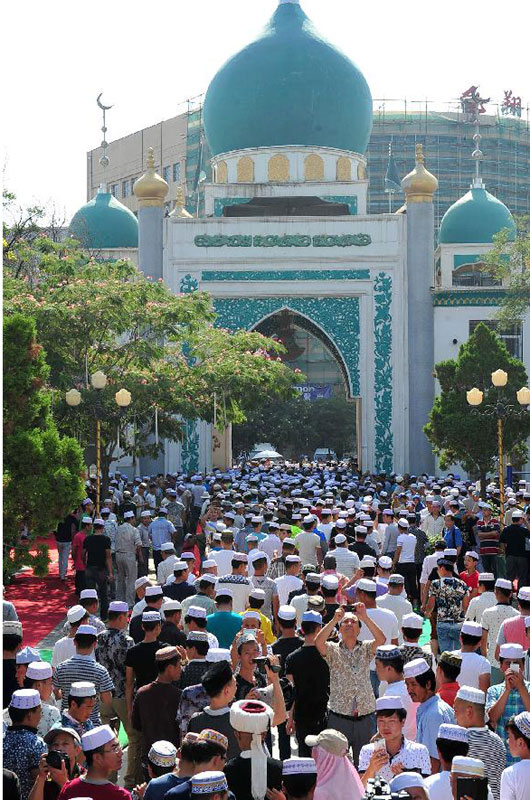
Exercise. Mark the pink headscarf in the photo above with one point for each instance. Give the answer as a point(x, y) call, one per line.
point(337, 778)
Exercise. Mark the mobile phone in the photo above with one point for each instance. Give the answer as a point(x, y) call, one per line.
point(379, 744)
point(476, 788)
point(515, 667)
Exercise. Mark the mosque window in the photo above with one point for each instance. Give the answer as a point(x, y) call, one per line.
point(473, 274)
point(245, 170)
point(166, 174)
point(278, 168)
point(343, 169)
point(114, 189)
point(511, 335)
point(176, 172)
point(221, 172)
point(314, 168)
point(125, 188)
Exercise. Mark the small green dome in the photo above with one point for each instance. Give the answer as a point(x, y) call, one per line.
point(104, 223)
point(289, 87)
point(475, 218)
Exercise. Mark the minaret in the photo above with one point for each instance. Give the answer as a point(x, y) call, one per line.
point(104, 159)
point(419, 187)
point(151, 191)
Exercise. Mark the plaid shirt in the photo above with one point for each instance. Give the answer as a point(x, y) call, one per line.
point(277, 568)
point(514, 705)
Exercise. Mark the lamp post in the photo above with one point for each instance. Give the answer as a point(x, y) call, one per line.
point(500, 410)
point(73, 399)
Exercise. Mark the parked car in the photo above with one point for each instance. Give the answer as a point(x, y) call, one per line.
point(324, 454)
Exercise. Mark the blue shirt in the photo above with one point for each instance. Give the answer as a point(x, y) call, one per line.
point(429, 716)
point(157, 788)
point(160, 531)
point(224, 625)
point(452, 537)
point(22, 749)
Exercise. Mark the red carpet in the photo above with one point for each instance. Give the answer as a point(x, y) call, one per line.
point(41, 603)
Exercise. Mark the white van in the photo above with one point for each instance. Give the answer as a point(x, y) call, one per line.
point(324, 454)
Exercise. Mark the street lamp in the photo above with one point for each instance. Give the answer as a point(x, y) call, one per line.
point(474, 397)
point(123, 399)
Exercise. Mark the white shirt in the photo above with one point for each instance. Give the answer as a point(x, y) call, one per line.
point(400, 606)
point(138, 608)
point(479, 604)
point(492, 620)
point(515, 781)
point(347, 561)
point(223, 558)
point(384, 619)
point(407, 542)
point(473, 666)
point(250, 567)
point(429, 564)
point(65, 648)
point(326, 528)
point(399, 689)
point(307, 543)
point(287, 584)
point(269, 544)
point(165, 569)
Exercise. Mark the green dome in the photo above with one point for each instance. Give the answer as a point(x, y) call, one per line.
point(289, 87)
point(103, 223)
point(475, 218)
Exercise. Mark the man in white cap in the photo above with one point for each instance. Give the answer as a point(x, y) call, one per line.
point(432, 710)
point(299, 778)
point(140, 585)
point(377, 759)
point(470, 713)
point(452, 741)
point(515, 629)
point(252, 772)
point(389, 665)
point(411, 630)
point(504, 700)
point(492, 619)
point(39, 677)
point(78, 552)
point(290, 581)
point(394, 599)
point(81, 701)
point(22, 747)
point(64, 647)
point(384, 619)
point(347, 561)
point(205, 597)
point(515, 780)
point(11, 642)
point(475, 669)
point(308, 542)
point(128, 549)
point(404, 561)
point(210, 785)
point(513, 544)
point(160, 530)
point(98, 560)
point(411, 783)
point(287, 643)
point(261, 581)
point(484, 599)
point(104, 757)
point(467, 767)
point(169, 559)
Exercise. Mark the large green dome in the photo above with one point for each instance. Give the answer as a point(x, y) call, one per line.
point(289, 87)
point(104, 223)
point(475, 218)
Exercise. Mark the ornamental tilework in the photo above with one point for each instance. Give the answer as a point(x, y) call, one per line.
point(189, 450)
point(287, 275)
point(338, 317)
point(188, 284)
point(470, 297)
point(384, 439)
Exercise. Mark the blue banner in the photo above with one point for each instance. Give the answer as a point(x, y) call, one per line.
point(315, 391)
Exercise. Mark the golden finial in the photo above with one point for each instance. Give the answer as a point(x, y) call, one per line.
point(420, 184)
point(150, 189)
point(180, 201)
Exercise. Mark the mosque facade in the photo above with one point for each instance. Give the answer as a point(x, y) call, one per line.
point(286, 246)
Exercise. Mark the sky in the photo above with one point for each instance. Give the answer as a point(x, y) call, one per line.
point(148, 58)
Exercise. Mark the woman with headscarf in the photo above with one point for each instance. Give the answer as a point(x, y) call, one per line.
point(337, 778)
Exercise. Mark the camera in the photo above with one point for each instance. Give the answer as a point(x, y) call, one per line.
point(261, 661)
point(55, 758)
point(379, 789)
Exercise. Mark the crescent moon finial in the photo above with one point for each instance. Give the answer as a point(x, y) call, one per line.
point(100, 104)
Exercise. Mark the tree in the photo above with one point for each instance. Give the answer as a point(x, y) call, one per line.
point(456, 431)
point(42, 470)
point(509, 263)
point(93, 315)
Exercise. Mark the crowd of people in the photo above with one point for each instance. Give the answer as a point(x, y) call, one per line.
point(281, 631)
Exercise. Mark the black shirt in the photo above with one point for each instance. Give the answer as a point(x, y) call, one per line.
point(141, 657)
point(514, 537)
point(136, 631)
point(284, 647)
point(362, 549)
point(172, 635)
point(11, 785)
point(96, 546)
point(238, 776)
point(244, 686)
point(329, 612)
point(9, 681)
point(193, 672)
point(311, 683)
point(179, 591)
point(64, 529)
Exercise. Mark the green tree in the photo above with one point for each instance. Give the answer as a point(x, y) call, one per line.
point(456, 431)
point(42, 470)
point(164, 348)
point(509, 263)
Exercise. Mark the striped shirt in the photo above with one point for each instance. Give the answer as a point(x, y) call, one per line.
point(490, 748)
point(82, 668)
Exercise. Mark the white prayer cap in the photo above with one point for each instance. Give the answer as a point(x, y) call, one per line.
point(396, 578)
point(503, 583)
point(223, 591)
point(330, 582)
point(86, 520)
point(465, 765)
point(250, 716)
point(257, 594)
point(366, 585)
point(418, 666)
point(128, 514)
point(403, 523)
point(407, 780)
point(340, 523)
point(524, 593)
point(389, 703)
point(208, 577)
point(151, 616)
point(471, 695)
point(385, 562)
point(367, 561)
point(299, 766)
point(118, 606)
point(361, 529)
point(386, 652)
point(97, 737)
point(251, 615)
point(12, 627)
point(312, 616)
point(486, 576)
point(450, 551)
point(256, 520)
point(197, 636)
point(171, 605)
point(154, 591)
point(27, 655)
point(196, 612)
point(340, 538)
point(412, 621)
point(454, 733)
point(209, 782)
point(292, 559)
point(39, 671)
point(257, 555)
point(472, 554)
point(99, 521)
point(241, 557)
point(166, 546)
point(287, 612)
point(88, 594)
point(179, 566)
point(139, 582)
point(216, 654)
point(522, 721)
point(471, 628)
point(511, 650)
point(25, 699)
point(187, 555)
point(86, 630)
point(83, 689)
point(209, 564)
point(146, 513)
point(75, 613)
point(216, 536)
point(163, 754)
point(308, 518)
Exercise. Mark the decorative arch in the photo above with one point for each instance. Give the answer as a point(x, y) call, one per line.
point(361, 172)
point(278, 168)
point(245, 170)
point(343, 169)
point(314, 168)
point(221, 172)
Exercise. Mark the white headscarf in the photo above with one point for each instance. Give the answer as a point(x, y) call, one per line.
point(253, 716)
